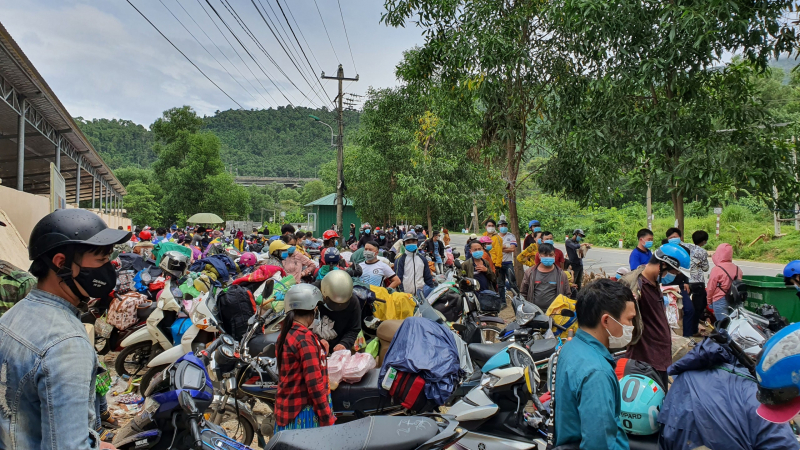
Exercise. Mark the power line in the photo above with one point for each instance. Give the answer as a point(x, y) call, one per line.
point(199, 2)
point(346, 36)
point(209, 53)
point(285, 35)
point(326, 30)
point(184, 55)
point(223, 53)
point(310, 49)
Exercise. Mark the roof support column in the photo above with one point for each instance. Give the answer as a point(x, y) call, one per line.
point(58, 156)
point(101, 195)
point(78, 185)
point(21, 146)
point(94, 183)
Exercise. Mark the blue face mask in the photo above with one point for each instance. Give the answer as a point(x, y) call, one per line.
point(667, 278)
point(648, 244)
point(411, 248)
point(477, 255)
point(618, 276)
point(284, 255)
point(676, 240)
point(366, 231)
point(538, 241)
point(489, 247)
point(504, 229)
point(292, 249)
point(535, 229)
point(578, 238)
point(548, 261)
point(549, 241)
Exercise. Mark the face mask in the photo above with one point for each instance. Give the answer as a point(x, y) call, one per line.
point(618, 276)
point(648, 244)
point(538, 241)
point(490, 229)
point(292, 249)
point(284, 255)
point(548, 261)
point(504, 230)
point(315, 323)
point(676, 240)
point(548, 241)
point(366, 231)
point(621, 341)
point(578, 238)
point(489, 247)
point(535, 229)
point(411, 248)
point(477, 255)
point(98, 282)
point(369, 255)
point(667, 278)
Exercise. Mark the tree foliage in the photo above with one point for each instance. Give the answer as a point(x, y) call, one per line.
point(121, 143)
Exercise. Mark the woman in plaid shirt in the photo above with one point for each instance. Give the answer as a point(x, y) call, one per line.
point(303, 398)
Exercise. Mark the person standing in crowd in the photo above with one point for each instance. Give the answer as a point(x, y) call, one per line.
point(674, 236)
point(720, 280)
point(697, 281)
point(303, 398)
point(435, 248)
point(412, 268)
point(534, 227)
point(655, 344)
point(547, 238)
point(642, 254)
point(545, 281)
point(472, 237)
point(445, 237)
point(366, 234)
point(144, 247)
point(49, 371)
point(296, 263)
point(575, 253)
point(506, 272)
point(287, 229)
point(376, 272)
point(479, 268)
point(587, 393)
point(495, 252)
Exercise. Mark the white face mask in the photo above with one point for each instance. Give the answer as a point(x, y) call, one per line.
point(490, 229)
point(621, 341)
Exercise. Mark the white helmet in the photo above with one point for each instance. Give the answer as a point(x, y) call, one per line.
point(304, 297)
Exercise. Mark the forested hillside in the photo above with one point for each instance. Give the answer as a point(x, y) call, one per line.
point(273, 142)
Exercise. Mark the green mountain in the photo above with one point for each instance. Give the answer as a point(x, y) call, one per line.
point(272, 142)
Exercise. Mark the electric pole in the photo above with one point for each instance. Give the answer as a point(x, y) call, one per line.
point(340, 153)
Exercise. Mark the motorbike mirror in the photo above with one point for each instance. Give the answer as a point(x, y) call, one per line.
point(723, 324)
point(456, 254)
point(187, 403)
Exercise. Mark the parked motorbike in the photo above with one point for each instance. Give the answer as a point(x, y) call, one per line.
point(747, 329)
point(111, 341)
point(473, 324)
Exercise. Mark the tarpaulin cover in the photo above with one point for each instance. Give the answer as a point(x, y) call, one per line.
point(262, 273)
point(708, 405)
point(426, 348)
point(164, 247)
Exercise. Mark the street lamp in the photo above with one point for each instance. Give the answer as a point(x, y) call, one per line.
point(333, 142)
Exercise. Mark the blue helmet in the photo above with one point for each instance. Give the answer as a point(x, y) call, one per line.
point(778, 383)
point(792, 269)
point(642, 398)
point(332, 256)
point(674, 255)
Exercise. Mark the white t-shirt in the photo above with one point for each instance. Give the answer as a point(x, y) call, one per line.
point(509, 241)
point(375, 273)
point(412, 273)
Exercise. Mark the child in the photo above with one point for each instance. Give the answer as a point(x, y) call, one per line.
point(303, 399)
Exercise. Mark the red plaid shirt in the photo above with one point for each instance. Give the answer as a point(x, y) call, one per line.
point(303, 378)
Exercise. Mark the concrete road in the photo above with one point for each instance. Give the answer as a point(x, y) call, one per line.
point(610, 259)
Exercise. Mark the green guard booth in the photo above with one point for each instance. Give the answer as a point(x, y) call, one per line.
point(325, 209)
point(773, 291)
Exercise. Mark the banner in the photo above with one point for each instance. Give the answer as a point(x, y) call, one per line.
point(58, 189)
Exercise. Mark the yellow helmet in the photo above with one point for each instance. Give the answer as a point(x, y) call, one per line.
point(278, 245)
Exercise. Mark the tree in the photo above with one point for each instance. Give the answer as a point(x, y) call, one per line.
point(142, 205)
point(289, 194)
point(314, 190)
point(659, 99)
point(126, 175)
point(260, 202)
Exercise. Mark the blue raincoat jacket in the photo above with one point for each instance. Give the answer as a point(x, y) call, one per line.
point(712, 402)
point(429, 349)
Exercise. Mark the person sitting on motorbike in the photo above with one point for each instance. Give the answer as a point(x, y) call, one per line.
point(247, 262)
point(714, 399)
point(543, 283)
point(297, 263)
point(278, 251)
point(144, 247)
point(49, 371)
point(331, 261)
point(300, 242)
point(587, 393)
point(488, 246)
point(329, 239)
point(310, 242)
point(376, 272)
point(303, 397)
point(478, 268)
point(340, 315)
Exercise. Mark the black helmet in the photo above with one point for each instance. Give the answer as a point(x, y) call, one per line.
point(418, 228)
point(72, 226)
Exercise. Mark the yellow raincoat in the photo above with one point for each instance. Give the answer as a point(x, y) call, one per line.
point(560, 303)
point(394, 306)
point(528, 256)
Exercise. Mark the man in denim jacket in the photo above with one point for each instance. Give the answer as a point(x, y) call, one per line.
point(47, 364)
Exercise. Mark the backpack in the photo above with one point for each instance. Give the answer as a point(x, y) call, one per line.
point(737, 293)
point(450, 304)
point(15, 284)
point(236, 305)
point(408, 389)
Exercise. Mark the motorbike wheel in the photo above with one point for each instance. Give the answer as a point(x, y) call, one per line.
point(489, 334)
point(148, 377)
point(237, 427)
point(132, 360)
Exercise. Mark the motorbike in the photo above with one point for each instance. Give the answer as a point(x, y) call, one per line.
point(473, 324)
point(112, 340)
point(748, 329)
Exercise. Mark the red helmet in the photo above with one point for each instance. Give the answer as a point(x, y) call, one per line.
point(145, 235)
point(330, 234)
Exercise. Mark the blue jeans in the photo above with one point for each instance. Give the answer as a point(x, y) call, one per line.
point(100, 406)
point(720, 308)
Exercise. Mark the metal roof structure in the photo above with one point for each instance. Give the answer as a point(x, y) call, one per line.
point(329, 200)
point(48, 135)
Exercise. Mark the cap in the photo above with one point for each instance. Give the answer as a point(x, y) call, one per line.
point(473, 236)
point(623, 271)
point(410, 237)
point(502, 222)
point(579, 231)
point(780, 413)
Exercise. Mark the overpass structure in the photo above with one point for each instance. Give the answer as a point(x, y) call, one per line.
point(36, 130)
point(290, 182)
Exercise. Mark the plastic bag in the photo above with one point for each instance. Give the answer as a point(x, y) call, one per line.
point(360, 343)
point(102, 328)
point(336, 365)
point(357, 366)
point(373, 347)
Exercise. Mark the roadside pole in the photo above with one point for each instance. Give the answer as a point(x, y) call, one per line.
point(718, 212)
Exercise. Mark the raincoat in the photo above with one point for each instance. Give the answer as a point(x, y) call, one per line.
point(712, 402)
point(723, 259)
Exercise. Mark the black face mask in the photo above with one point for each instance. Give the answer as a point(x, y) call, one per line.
point(98, 282)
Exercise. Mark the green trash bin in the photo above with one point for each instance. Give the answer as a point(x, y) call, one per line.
point(772, 291)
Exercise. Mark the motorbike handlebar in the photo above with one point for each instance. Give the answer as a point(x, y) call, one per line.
point(205, 354)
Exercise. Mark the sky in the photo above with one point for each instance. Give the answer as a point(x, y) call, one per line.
point(103, 60)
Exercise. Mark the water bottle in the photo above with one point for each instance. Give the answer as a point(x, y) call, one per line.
point(388, 379)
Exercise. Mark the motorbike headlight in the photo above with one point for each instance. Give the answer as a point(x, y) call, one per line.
point(200, 320)
point(488, 380)
point(524, 314)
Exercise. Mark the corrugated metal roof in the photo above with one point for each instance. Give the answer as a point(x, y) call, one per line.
point(329, 200)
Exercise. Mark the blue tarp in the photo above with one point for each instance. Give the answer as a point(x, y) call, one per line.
point(708, 405)
point(429, 349)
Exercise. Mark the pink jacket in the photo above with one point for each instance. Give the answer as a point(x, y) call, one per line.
point(298, 265)
point(722, 260)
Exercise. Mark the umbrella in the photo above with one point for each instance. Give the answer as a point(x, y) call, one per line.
point(205, 218)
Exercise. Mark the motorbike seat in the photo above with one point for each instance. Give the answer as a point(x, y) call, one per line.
point(542, 348)
point(376, 432)
point(263, 343)
point(480, 353)
point(364, 396)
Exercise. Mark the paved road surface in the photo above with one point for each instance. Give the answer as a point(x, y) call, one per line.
point(610, 260)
